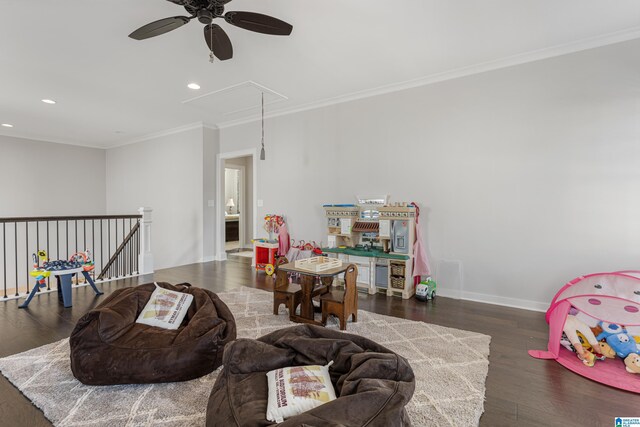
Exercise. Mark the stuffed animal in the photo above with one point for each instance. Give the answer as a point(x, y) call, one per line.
point(609, 329)
point(574, 326)
point(632, 363)
point(606, 351)
point(623, 344)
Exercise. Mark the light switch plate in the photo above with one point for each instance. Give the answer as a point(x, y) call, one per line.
point(260, 203)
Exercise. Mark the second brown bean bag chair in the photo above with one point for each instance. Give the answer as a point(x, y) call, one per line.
point(109, 347)
point(372, 383)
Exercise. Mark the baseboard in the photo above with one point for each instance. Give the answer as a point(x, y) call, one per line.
point(208, 258)
point(220, 257)
point(494, 299)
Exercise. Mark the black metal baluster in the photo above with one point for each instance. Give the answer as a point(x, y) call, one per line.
point(76, 235)
point(15, 250)
point(101, 247)
point(117, 272)
point(57, 240)
point(4, 255)
point(37, 236)
point(66, 230)
point(26, 249)
point(130, 250)
point(109, 247)
point(123, 267)
point(93, 246)
point(138, 234)
point(48, 278)
point(84, 234)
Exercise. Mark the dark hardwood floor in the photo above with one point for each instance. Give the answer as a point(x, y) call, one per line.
point(521, 391)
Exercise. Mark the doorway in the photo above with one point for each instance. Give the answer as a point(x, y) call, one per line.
point(234, 209)
point(236, 205)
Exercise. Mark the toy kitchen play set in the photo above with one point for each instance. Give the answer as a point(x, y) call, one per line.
point(379, 238)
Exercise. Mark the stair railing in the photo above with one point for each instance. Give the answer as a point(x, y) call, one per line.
point(120, 246)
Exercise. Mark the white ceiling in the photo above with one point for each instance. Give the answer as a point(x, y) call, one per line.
point(111, 89)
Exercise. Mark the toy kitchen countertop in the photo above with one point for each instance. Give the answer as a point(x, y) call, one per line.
point(365, 253)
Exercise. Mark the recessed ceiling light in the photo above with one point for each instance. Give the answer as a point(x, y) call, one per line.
point(7, 125)
point(48, 101)
point(194, 86)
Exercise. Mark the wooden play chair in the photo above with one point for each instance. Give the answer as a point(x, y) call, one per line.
point(342, 304)
point(289, 294)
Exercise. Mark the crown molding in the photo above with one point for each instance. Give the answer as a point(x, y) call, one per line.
point(19, 135)
point(172, 131)
point(522, 58)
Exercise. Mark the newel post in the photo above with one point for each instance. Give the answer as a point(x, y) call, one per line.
point(145, 257)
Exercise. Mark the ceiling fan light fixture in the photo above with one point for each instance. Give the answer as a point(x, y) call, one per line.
point(205, 11)
point(205, 16)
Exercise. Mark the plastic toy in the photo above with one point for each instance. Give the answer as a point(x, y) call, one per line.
point(269, 269)
point(426, 290)
point(83, 258)
point(572, 327)
point(272, 224)
point(40, 273)
point(63, 270)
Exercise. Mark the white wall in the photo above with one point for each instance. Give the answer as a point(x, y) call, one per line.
point(211, 147)
point(40, 179)
point(526, 175)
point(166, 174)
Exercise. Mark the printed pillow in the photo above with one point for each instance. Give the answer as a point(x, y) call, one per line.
point(166, 309)
point(298, 389)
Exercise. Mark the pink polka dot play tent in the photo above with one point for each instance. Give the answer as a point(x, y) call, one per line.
point(613, 298)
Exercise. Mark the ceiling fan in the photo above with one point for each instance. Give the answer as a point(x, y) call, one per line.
point(217, 40)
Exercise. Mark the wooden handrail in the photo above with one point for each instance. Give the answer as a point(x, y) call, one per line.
point(116, 254)
point(66, 218)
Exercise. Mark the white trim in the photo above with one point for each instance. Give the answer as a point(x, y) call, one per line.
point(166, 132)
point(242, 223)
point(258, 86)
point(52, 141)
point(494, 299)
point(208, 259)
point(220, 253)
point(518, 59)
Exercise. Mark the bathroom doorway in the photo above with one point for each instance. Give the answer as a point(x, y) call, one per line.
point(238, 209)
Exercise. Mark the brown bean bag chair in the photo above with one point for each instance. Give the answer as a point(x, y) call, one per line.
point(108, 347)
point(372, 383)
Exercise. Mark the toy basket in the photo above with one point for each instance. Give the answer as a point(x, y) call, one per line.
point(397, 269)
point(318, 264)
point(397, 282)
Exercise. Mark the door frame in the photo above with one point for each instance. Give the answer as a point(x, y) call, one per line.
point(241, 201)
point(220, 253)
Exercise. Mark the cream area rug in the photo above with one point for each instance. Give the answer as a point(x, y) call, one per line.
point(450, 366)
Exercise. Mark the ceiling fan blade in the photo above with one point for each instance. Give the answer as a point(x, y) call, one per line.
point(218, 42)
point(159, 27)
point(259, 23)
